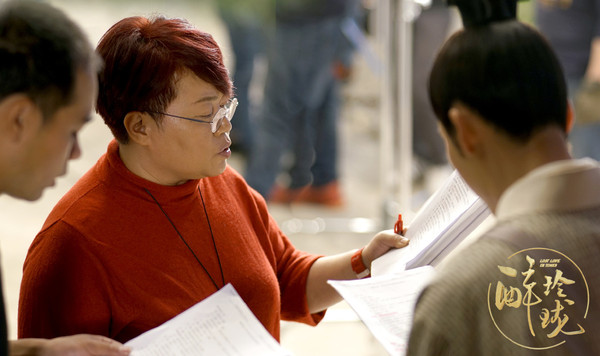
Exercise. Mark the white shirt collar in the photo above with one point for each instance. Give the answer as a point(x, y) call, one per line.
point(561, 185)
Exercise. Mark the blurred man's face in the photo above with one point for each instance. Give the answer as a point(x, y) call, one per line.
point(54, 143)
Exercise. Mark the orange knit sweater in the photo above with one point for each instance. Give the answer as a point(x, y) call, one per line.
point(108, 261)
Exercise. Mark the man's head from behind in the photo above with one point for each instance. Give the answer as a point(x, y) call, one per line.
point(507, 73)
point(47, 87)
point(499, 93)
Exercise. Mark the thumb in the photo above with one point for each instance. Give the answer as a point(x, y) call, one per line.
point(382, 243)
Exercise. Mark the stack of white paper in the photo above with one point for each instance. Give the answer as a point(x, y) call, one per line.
point(221, 324)
point(445, 220)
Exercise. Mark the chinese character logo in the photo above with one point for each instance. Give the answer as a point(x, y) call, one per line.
point(543, 292)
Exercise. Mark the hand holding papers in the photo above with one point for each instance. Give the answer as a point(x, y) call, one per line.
point(385, 302)
point(446, 219)
point(221, 324)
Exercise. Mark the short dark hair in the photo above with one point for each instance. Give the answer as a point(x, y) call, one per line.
point(507, 72)
point(41, 50)
point(142, 58)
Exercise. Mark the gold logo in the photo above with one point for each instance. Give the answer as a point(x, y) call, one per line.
point(544, 291)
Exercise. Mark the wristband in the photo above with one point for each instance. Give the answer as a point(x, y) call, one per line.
point(358, 266)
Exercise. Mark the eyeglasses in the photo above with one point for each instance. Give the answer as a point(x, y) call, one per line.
point(226, 111)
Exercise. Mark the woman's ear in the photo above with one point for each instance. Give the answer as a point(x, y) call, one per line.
point(465, 128)
point(138, 125)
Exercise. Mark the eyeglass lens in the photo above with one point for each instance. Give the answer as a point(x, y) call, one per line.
point(225, 112)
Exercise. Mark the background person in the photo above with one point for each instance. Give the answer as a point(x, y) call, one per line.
point(573, 29)
point(249, 24)
point(161, 222)
point(307, 56)
point(499, 94)
point(47, 88)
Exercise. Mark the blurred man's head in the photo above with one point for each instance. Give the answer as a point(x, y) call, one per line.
point(48, 84)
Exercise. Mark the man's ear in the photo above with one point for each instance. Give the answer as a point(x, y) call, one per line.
point(20, 117)
point(465, 128)
point(138, 126)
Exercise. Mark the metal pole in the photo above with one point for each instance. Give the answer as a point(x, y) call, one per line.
point(404, 136)
point(396, 151)
point(389, 91)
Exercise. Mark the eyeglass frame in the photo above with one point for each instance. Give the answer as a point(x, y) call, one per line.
point(225, 111)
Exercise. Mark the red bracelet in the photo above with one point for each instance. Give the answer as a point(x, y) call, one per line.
point(358, 266)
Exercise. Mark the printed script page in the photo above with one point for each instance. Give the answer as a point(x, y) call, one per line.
point(222, 324)
point(386, 304)
point(430, 226)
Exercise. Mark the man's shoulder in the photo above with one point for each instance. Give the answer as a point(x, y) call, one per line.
point(478, 259)
point(458, 299)
point(463, 281)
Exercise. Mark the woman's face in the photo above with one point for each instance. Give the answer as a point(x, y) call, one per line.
point(184, 149)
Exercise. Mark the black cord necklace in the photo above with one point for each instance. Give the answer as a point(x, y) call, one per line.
point(188, 246)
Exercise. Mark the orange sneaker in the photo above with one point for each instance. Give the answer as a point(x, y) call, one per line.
point(327, 195)
point(281, 195)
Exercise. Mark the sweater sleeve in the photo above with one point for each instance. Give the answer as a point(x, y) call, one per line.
point(292, 271)
point(292, 267)
point(60, 289)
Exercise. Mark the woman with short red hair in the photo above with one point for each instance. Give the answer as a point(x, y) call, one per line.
point(161, 222)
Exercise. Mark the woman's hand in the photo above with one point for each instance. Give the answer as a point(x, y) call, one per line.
point(382, 243)
point(320, 294)
point(75, 345)
point(84, 345)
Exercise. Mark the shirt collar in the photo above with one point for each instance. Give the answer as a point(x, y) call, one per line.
point(561, 185)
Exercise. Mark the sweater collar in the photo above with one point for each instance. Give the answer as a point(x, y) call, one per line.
point(135, 183)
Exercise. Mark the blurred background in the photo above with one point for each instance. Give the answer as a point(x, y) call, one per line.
point(387, 162)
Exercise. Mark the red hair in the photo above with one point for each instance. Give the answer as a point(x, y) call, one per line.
point(142, 58)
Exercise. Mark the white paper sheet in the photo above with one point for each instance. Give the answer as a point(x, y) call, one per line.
point(386, 304)
point(447, 218)
point(221, 324)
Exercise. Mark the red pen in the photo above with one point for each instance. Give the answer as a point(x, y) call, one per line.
point(399, 225)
